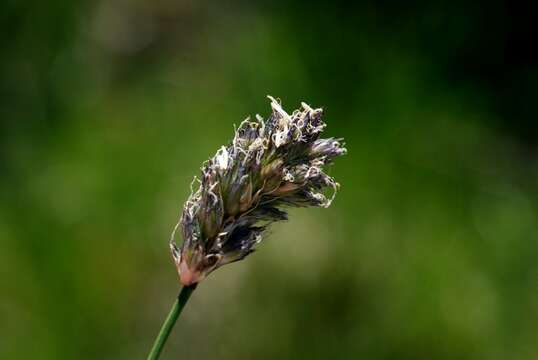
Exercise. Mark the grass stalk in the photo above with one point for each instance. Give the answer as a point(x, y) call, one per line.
point(170, 321)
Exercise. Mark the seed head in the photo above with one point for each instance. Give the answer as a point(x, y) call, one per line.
point(268, 166)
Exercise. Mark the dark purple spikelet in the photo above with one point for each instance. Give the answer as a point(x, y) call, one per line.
point(243, 189)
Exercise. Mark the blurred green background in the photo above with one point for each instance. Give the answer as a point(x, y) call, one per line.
point(108, 109)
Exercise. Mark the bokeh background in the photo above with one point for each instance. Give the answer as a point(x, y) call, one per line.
point(108, 108)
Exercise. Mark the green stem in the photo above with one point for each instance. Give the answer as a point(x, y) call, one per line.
point(166, 329)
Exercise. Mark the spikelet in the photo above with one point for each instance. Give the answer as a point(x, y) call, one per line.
point(269, 165)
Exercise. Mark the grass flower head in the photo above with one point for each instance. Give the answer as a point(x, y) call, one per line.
point(269, 165)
